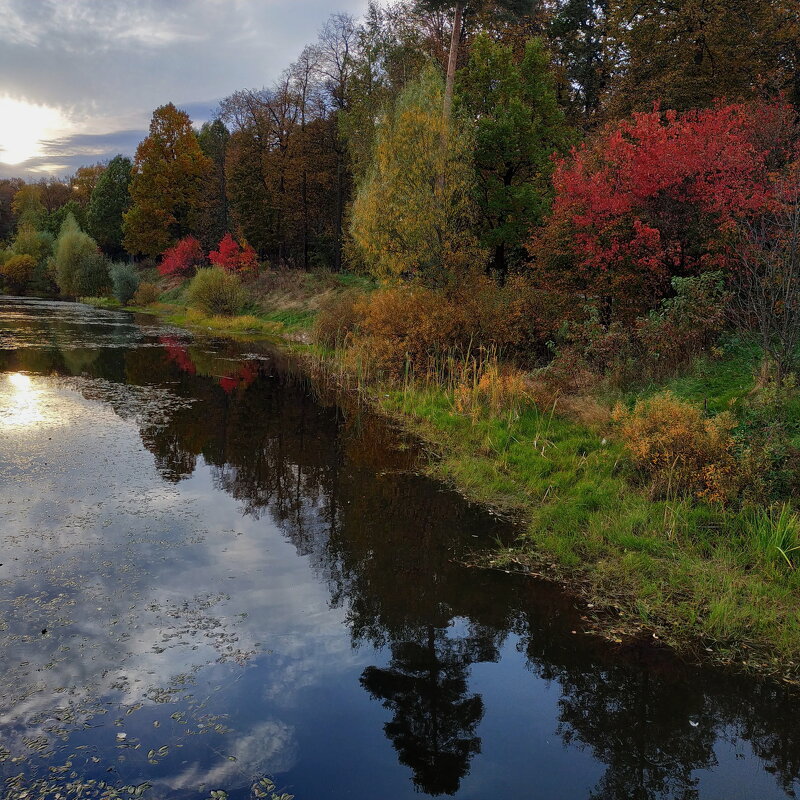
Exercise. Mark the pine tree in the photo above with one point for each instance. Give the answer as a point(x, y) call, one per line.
point(110, 199)
point(518, 128)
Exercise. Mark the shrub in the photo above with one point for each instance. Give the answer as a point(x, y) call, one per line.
point(230, 257)
point(71, 267)
point(91, 276)
point(17, 272)
point(146, 294)
point(679, 450)
point(336, 319)
point(183, 259)
point(418, 325)
point(214, 291)
point(650, 347)
point(124, 281)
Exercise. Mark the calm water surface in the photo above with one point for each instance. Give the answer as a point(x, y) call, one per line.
point(211, 575)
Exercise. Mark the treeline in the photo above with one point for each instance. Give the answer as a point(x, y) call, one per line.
point(597, 148)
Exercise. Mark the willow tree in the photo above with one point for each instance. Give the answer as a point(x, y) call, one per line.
point(413, 212)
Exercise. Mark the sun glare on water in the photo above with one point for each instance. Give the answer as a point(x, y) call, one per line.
point(25, 127)
point(20, 405)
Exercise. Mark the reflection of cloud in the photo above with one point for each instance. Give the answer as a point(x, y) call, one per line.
point(269, 747)
point(138, 582)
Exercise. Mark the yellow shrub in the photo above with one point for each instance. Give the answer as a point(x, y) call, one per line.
point(421, 327)
point(146, 294)
point(679, 450)
point(17, 271)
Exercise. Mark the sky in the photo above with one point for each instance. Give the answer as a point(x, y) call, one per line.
point(79, 79)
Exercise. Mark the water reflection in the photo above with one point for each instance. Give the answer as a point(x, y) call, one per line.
point(229, 566)
point(22, 409)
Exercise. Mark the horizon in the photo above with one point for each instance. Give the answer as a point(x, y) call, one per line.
point(57, 115)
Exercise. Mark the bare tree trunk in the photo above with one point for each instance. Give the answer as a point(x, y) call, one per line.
point(452, 61)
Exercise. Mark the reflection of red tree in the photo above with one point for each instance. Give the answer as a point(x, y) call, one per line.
point(178, 354)
point(243, 377)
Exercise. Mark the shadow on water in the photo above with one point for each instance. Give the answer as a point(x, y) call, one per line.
point(275, 586)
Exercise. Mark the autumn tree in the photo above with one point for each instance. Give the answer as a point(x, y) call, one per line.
point(169, 185)
point(109, 201)
point(53, 193)
point(389, 54)
point(686, 54)
point(518, 128)
point(406, 221)
point(282, 167)
point(656, 196)
point(27, 205)
point(83, 182)
point(17, 272)
point(29, 241)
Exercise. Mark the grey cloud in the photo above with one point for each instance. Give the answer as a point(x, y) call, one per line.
point(109, 63)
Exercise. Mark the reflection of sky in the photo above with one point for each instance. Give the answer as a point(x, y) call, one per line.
point(160, 615)
point(144, 582)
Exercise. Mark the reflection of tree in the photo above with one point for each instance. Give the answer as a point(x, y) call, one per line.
point(387, 543)
point(650, 734)
point(433, 728)
point(769, 721)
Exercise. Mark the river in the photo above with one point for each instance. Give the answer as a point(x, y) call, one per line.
point(215, 577)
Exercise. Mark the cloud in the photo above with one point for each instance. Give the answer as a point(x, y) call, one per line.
point(105, 66)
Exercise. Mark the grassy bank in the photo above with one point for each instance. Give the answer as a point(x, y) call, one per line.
point(709, 580)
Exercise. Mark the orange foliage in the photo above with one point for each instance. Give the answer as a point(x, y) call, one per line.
point(679, 450)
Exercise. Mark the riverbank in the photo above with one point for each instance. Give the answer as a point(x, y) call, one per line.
point(690, 574)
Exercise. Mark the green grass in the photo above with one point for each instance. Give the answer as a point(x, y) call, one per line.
point(696, 574)
point(701, 577)
point(246, 324)
point(102, 302)
point(290, 319)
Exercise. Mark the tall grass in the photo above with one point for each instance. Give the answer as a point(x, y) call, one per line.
point(774, 532)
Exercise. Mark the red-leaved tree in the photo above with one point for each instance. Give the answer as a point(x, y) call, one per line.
point(183, 259)
point(229, 256)
point(656, 196)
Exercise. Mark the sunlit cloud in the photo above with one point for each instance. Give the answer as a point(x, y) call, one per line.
point(26, 127)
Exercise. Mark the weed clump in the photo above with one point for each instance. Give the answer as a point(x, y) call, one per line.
point(336, 320)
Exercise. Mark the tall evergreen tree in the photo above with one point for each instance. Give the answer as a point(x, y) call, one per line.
point(109, 200)
point(518, 127)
